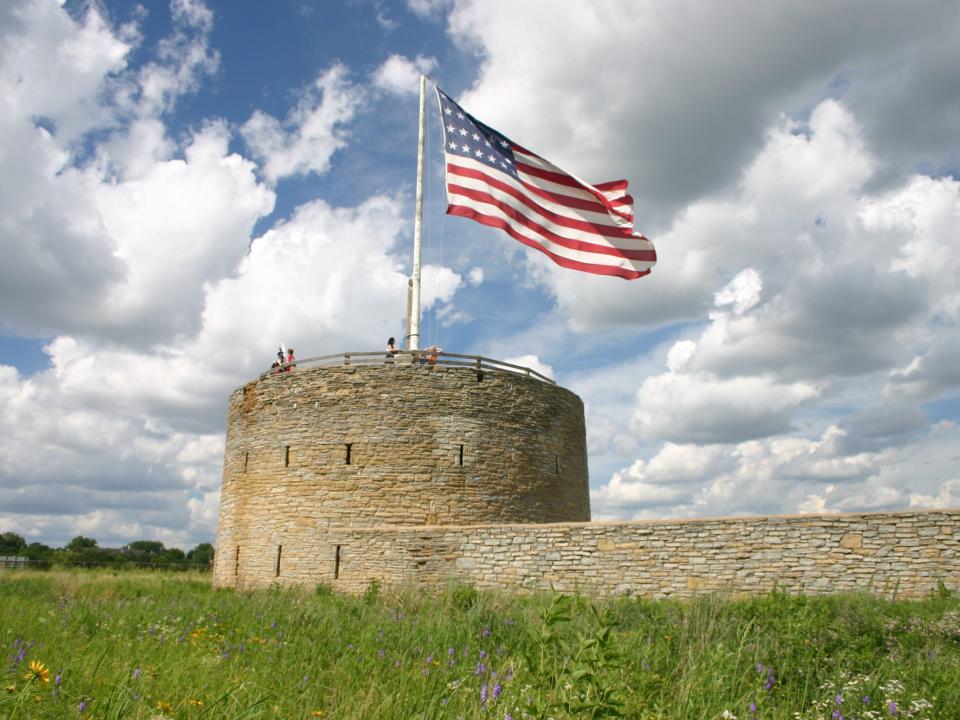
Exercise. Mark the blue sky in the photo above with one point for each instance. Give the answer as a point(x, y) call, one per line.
point(185, 185)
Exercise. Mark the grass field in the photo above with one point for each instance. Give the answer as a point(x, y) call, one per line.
point(88, 644)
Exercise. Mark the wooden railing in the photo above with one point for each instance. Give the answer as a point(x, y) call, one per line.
point(424, 358)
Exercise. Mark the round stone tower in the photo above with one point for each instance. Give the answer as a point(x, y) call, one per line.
point(361, 446)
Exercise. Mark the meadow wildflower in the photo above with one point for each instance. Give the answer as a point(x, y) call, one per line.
point(38, 671)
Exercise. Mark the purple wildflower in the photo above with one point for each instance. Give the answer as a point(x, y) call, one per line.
point(58, 679)
point(892, 707)
point(508, 716)
point(759, 668)
point(481, 668)
point(429, 659)
point(450, 652)
point(136, 673)
point(839, 698)
point(483, 694)
point(82, 707)
point(497, 689)
point(866, 699)
point(771, 681)
point(21, 654)
point(753, 707)
point(485, 633)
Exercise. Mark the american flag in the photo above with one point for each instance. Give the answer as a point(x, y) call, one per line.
point(496, 182)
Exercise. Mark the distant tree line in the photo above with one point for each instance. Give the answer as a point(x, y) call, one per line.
point(85, 551)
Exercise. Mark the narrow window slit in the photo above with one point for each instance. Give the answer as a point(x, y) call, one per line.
point(336, 563)
point(236, 562)
point(246, 461)
point(460, 460)
point(277, 568)
point(286, 456)
point(349, 447)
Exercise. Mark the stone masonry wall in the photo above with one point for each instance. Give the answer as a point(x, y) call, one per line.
point(422, 476)
point(357, 446)
point(905, 554)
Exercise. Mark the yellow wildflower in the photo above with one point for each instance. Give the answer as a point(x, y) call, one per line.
point(12, 687)
point(317, 713)
point(38, 671)
point(198, 703)
point(164, 707)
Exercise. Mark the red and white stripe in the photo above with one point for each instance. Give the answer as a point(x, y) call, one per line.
point(577, 225)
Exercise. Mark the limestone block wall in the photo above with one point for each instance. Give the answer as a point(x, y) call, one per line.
point(319, 449)
point(904, 554)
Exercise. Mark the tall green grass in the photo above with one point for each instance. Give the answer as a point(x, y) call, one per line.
point(170, 646)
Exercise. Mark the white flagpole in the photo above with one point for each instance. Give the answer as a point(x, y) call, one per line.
point(413, 338)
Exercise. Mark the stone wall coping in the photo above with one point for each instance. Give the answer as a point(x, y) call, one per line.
point(726, 519)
